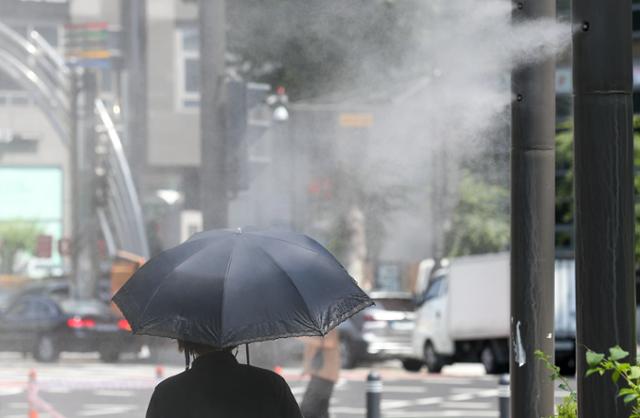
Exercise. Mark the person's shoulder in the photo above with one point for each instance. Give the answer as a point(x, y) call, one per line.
point(259, 373)
point(173, 381)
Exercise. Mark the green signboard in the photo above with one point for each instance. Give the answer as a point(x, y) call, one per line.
point(34, 194)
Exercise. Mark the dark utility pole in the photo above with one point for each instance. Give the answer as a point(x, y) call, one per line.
point(134, 33)
point(604, 214)
point(532, 226)
point(213, 173)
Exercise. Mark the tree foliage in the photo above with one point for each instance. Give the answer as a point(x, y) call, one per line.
point(15, 236)
point(313, 46)
point(564, 185)
point(480, 221)
point(481, 217)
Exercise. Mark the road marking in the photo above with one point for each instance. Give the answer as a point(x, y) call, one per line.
point(440, 414)
point(56, 389)
point(391, 404)
point(10, 391)
point(106, 409)
point(429, 401)
point(116, 393)
point(468, 405)
point(462, 397)
point(403, 389)
point(347, 410)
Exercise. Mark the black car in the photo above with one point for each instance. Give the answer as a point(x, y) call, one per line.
point(45, 327)
point(382, 331)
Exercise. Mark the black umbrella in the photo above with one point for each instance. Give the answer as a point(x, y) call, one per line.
point(224, 288)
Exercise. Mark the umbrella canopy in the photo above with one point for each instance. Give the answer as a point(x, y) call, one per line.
point(224, 288)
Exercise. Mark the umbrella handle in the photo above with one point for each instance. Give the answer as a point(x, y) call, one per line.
point(246, 348)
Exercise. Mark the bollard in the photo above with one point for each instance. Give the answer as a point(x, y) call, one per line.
point(159, 372)
point(504, 395)
point(31, 394)
point(374, 394)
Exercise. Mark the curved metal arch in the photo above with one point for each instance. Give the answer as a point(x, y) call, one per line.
point(26, 78)
point(40, 58)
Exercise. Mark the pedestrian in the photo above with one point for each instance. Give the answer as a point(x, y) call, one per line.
point(322, 362)
point(216, 385)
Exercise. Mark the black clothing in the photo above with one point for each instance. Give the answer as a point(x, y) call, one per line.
point(315, 403)
point(217, 386)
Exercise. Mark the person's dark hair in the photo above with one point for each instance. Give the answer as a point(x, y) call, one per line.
point(193, 350)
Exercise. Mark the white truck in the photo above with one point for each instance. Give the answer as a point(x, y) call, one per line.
point(463, 314)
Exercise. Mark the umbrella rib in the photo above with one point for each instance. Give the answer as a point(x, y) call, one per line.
point(306, 305)
point(224, 280)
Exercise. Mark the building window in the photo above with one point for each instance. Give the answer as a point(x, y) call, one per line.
point(188, 74)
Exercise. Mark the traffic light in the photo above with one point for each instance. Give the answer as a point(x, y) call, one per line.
point(248, 118)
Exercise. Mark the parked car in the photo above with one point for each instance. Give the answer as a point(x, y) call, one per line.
point(60, 288)
point(382, 331)
point(45, 327)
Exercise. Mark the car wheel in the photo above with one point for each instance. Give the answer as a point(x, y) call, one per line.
point(109, 356)
point(490, 361)
point(412, 365)
point(433, 360)
point(348, 359)
point(46, 349)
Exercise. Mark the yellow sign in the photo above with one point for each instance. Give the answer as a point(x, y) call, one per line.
point(356, 120)
point(92, 54)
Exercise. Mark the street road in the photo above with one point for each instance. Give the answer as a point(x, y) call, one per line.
point(84, 387)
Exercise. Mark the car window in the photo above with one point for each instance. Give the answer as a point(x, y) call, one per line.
point(19, 308)
point(444, 286)
point(433, 290)
point(95, 308)
point(43, 310)
point(396, 304)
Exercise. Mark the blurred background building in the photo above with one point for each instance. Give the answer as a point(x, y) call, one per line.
point(294, 165)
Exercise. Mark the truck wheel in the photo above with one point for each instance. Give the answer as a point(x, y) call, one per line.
point(348, 358)
point(433, 360)
point(46, 350)
point(412, 365)
point(490, 361)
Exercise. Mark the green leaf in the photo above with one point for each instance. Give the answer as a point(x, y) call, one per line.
point(615, 376)
point(634, 372)
point(591, 371)
point(626, 391)
point(630, 398)
point(593, 358)
point(617, 353)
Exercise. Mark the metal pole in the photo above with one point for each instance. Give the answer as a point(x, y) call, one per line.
point(85, 242)
point(532, 226)
point(213, 178)
point(134, 27)
point(76, 220)
point(374, 394)
point(503, 396)
point(604, 214)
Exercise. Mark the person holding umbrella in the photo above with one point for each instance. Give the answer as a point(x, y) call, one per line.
point(224, 288)
point(216, 385)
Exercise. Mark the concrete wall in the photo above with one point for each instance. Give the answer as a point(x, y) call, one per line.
point(30, 122)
